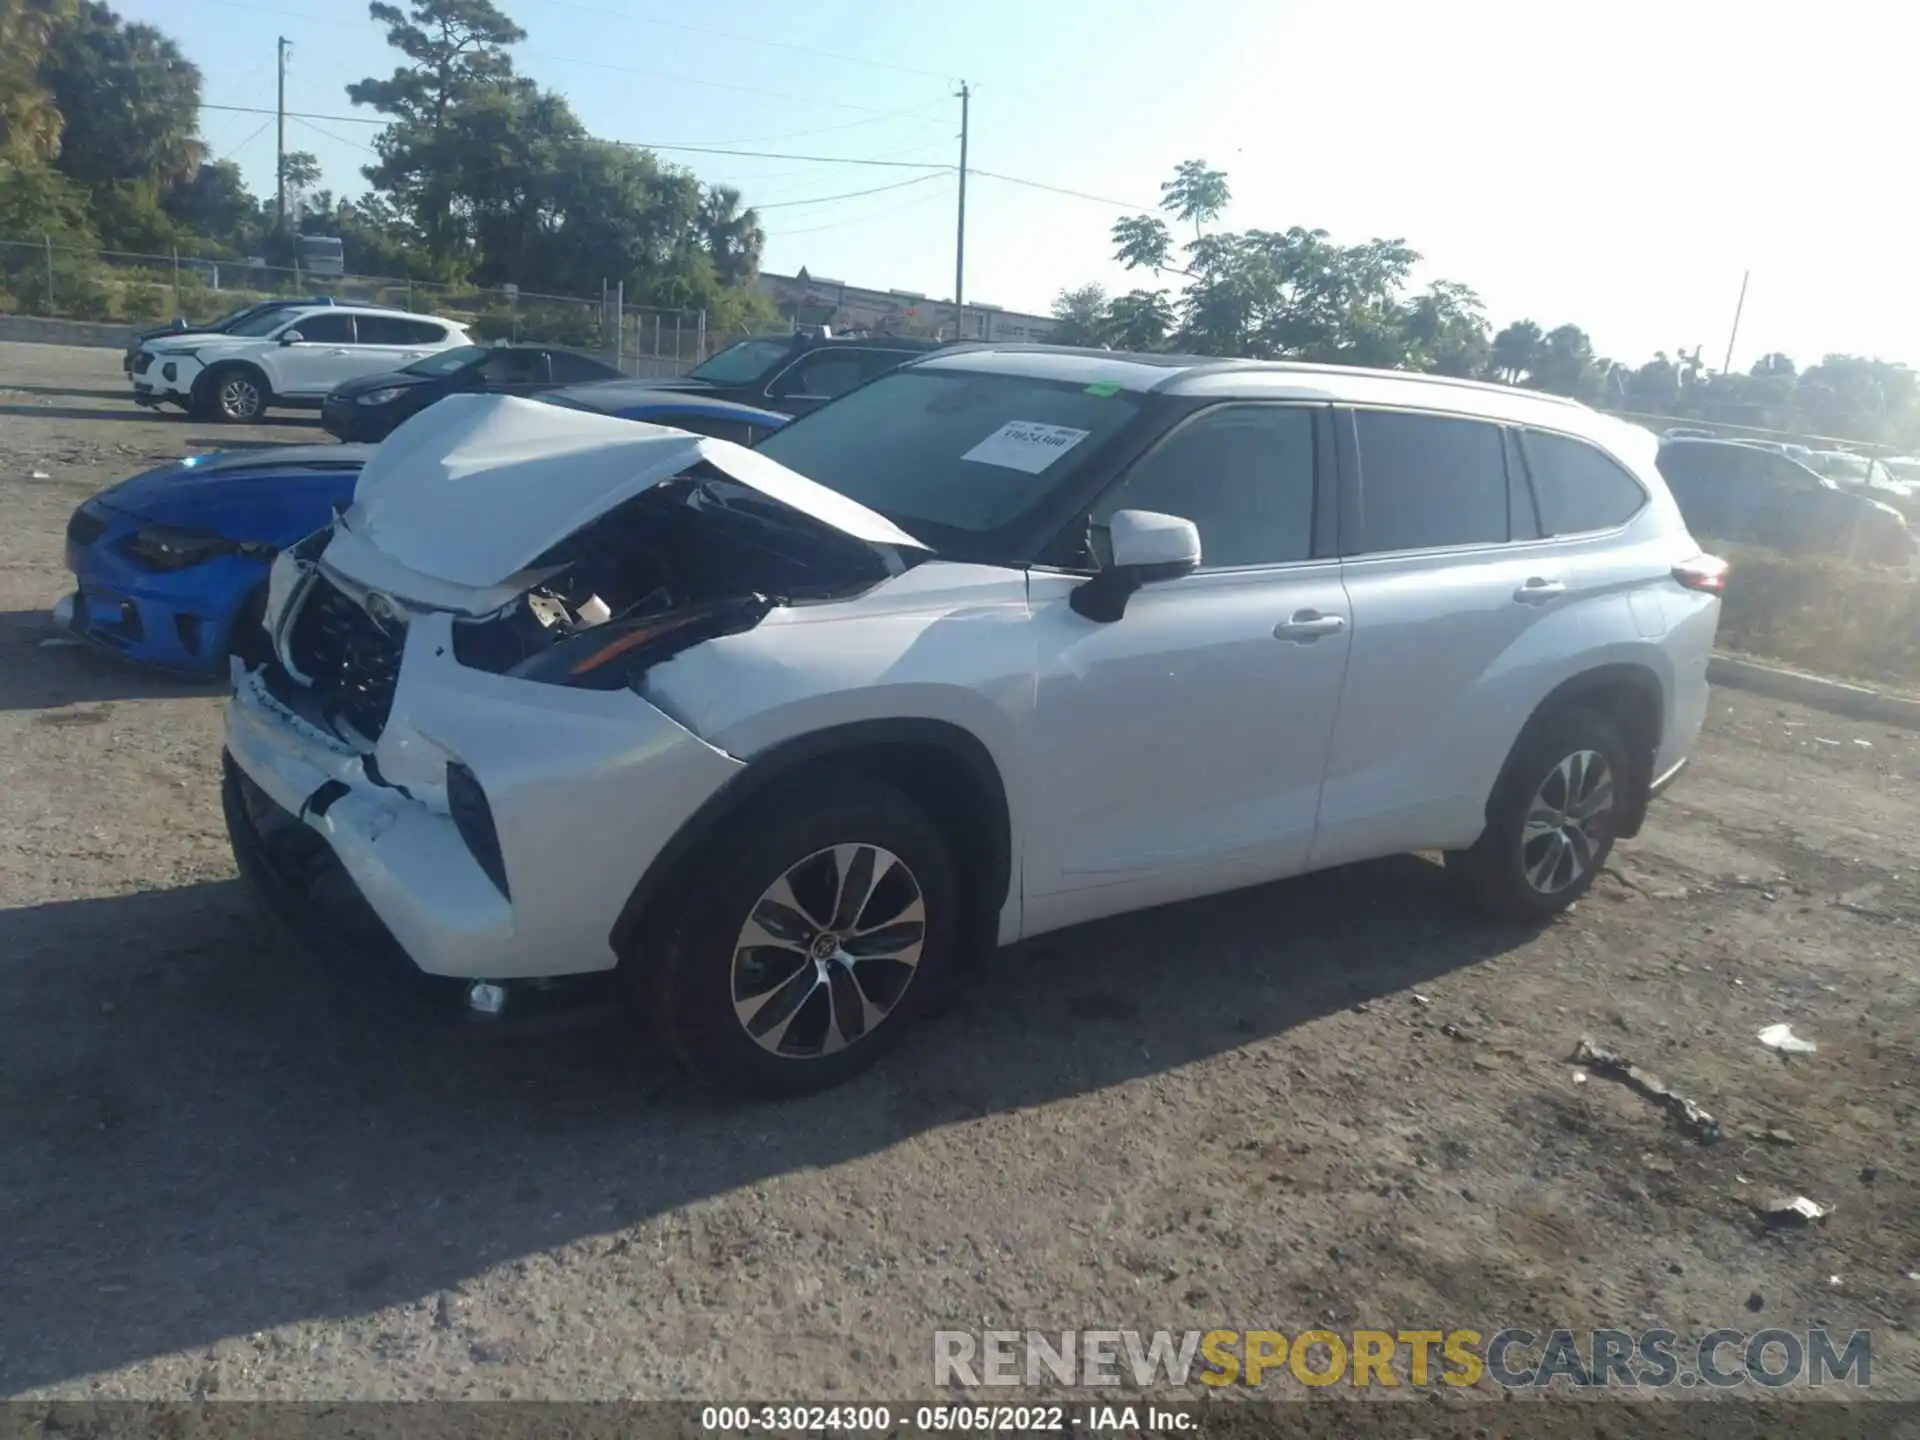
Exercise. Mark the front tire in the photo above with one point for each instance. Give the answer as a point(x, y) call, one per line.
point(236, 394)
point(815, 930)
point(1551, 820)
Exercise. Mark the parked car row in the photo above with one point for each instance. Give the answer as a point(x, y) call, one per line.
point(367, 369)
point(1731, 490)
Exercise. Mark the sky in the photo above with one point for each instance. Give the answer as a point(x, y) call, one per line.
point(1616, 166)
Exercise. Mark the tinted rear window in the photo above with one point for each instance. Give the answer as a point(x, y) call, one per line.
point(1577, 488)
point(1428, 481)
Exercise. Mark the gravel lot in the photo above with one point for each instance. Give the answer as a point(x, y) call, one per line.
point(1340, 1100)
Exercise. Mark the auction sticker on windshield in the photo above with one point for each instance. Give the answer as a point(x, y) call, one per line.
point(1025, 445)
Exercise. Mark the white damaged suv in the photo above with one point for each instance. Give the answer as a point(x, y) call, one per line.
point(1008, 639)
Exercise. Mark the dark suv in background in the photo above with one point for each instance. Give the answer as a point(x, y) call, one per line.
point(794, 373)
point(1739, 492)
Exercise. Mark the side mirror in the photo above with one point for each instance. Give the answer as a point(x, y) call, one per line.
point(291, 337)
point(1147, 547)
point(179, 322)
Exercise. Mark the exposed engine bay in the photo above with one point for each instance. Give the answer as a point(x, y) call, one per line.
point(694, 557)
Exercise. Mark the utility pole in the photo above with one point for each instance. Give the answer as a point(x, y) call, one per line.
point(960, 238)
point(280, 162)
point(1745, 275)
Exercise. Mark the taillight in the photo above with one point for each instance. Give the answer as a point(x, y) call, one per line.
point(1705, 573)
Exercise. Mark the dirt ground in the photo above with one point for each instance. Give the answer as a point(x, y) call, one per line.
point(1339, 1101)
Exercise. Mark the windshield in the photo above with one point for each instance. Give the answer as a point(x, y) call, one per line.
point(951, 454)
point(737, 364)
point(254, 326)
point(232, 315)
point(445, 362)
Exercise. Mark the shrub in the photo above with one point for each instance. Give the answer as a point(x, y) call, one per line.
point(1823, 614)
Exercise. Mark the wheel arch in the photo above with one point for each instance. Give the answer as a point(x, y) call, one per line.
point(1630, 696)
point(204, 383)
point(941, 766)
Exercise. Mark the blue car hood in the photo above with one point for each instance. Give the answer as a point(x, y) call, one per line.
point(272, 496)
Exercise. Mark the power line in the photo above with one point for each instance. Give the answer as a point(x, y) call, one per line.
point(297, 115)
point(337, 139)
point(870, 216)
point(854, 194)
point(244, 143)
point(693, 80)
point(917, 112)
point(630, 144)
point(1062, 190)
point(750, 39)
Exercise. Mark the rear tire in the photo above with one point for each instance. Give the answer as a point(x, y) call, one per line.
point(853, 898)
point(1551, 819)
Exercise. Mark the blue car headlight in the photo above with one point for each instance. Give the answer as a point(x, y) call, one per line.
point(377, 397)
point(171, 547)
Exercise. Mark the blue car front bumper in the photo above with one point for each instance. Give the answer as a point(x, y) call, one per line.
point(176, 619)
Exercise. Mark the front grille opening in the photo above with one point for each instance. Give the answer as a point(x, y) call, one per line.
point(188, 628)
point(473, 818)
point(353, 662)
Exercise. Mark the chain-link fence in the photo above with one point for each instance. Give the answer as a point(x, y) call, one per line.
point(43, 279)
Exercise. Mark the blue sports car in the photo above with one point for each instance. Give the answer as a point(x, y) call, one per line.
point(171, 565)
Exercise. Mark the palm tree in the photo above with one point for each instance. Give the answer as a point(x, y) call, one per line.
point(30, 121)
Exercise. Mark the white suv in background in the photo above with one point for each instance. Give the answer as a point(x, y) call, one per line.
point(1005, 640)
point(287, 357)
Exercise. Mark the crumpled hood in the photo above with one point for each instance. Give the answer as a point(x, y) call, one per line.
point(474, 489)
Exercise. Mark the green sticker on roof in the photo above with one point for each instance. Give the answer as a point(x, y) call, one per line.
point(1103, 389)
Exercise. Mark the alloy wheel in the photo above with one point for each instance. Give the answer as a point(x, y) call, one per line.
point(1565, 824)
point(239, 398)
point(828, 951)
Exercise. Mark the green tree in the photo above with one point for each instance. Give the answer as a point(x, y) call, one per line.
point(733, 236)
point(215, 208)
point(1142, 242)
point(1447, 331)
point(1565, 364)
point(1195, 195)
point(458, 50)
point(30, 118)
point(300, 171)
point(1080, 316)
point(1139, 320)
point(129, 99)
point(1516, 351)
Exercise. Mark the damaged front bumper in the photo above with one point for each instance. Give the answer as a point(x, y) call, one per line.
point(582, 789)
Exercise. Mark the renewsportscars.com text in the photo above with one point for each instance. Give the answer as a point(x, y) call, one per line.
point(1513, 1357)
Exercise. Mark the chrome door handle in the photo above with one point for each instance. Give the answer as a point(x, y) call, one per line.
point(1306, 626)
point(1538, 592)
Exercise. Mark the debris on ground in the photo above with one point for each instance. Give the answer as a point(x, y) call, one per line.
point(1782, 1038)
point(59, 642)
point(1772, 1136)
point(1687, 1117)
point(1795, 1210)
point(38, 475)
